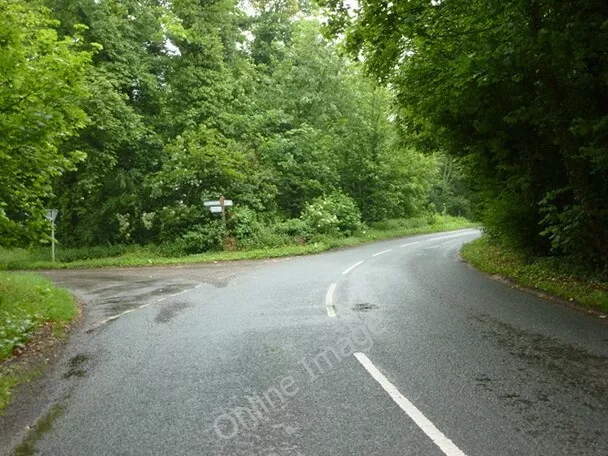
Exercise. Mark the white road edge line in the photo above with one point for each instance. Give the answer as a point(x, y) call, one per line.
point(352, 267)
point(410, 243)
point(446, 445)
point(329, 301)
point(380, 253)
point(143, 306)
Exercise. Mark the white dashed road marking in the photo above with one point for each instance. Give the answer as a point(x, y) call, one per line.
point(329, 301)
point(446, 445)
point(450, 236)
point(410, 243)
point(380, 253)
point(351, 268)
point(439, 245)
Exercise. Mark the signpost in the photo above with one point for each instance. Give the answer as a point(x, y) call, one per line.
point(219, 207)
point(51, 215)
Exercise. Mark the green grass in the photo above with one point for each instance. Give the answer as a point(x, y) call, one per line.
point(553, 275)
point(124, 256)
point(27, 302)
point(10, 378)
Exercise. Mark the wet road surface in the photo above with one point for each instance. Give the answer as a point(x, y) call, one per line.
point(393, 348)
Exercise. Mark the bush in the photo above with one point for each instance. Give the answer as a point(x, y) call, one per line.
point(244, 223)
point(177, 220)
point(332, 215)
point(295, 228)
point(203, 238)
point(266, 237)
point(401, 223)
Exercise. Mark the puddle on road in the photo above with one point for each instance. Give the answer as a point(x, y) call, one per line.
point(115, 300)
point(364, 307)
point(76, 366)
point(170, 311)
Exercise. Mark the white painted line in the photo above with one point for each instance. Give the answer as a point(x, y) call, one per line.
point(410, 243)
point(329, 301)
point(329, 296)
point(115, 317)
point(352, 267)
point(450, 236)
point(445, 444)
point(439, 245)
point(380, 253)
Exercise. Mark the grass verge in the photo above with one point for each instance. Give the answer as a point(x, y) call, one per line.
point(552, 275)
point(30, 305)
point(20, 259)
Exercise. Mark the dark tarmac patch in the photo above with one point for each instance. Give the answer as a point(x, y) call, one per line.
point(116, 300)
point(76, 366)
point(364, 307)
point(566, 371)
point(169, 312)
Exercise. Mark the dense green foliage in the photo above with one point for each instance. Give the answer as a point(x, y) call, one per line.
point(289, 238)
point(520, 89)
point(41, 92)
point(184, 101)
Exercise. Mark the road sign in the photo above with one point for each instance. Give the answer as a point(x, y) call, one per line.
point(218, 203)
point(219, 207)
point(51, 214)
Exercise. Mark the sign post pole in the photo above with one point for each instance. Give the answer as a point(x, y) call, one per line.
point(53, 241)
point(222, 201)
point(51, 215)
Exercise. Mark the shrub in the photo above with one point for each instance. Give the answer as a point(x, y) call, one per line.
point(177, 220)
point(203, 238)
point(244, 223)
point(336, 214)
point(266, 237)
point(295, 228)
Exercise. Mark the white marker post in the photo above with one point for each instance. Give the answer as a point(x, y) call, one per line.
point(51, 215)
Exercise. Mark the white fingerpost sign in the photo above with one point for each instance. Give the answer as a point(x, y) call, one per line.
point(219, 207)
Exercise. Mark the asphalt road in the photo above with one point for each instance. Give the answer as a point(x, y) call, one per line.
point(410, 352)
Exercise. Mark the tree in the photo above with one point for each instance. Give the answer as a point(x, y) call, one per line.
point(517, 87)
point(41, 95)
point(126, 98)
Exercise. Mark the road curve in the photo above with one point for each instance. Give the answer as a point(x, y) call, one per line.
point(392, 348)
